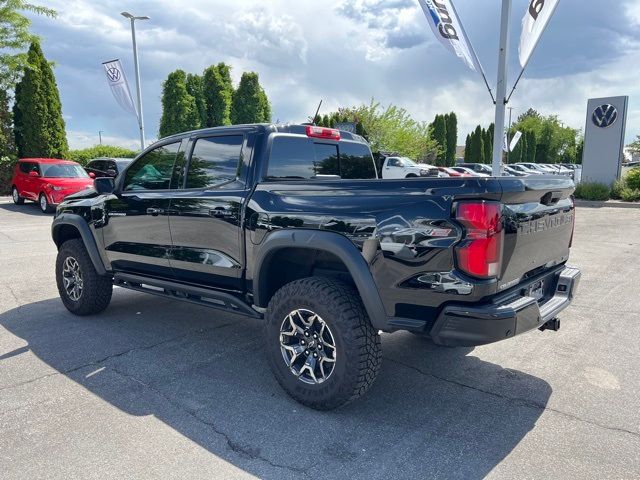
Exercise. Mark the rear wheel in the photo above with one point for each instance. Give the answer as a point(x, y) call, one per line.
point(321, 346)
point(81, 289)
point(17, 199)
point(44, 204)
point(412, 175)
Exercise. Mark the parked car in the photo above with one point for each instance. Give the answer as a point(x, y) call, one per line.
point(478, 168)
point(513, 172)
point(543, 169)
point(525, 170)
point(450, 172)
point(107, 167)
point(289, 225)
point(469, 172)
point(47, 181)
point(403, 167)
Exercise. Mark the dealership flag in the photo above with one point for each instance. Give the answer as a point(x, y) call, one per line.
point(515, 140)
point(535, 20)
point(445, 23)
point(119, 86)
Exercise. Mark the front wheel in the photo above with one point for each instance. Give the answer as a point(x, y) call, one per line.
point(321, 346)
point(412, 175)
point(81, 289)
point(15, 195)
point(44, 204)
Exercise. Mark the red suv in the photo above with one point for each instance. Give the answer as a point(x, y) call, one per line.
point(47, 181)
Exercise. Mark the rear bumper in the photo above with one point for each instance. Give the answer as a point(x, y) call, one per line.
point(460, 325)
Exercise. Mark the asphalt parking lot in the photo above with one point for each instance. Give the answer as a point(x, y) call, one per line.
point(158, 389)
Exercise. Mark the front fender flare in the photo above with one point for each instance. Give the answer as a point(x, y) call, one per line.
point(331, 242)
point(89, 241)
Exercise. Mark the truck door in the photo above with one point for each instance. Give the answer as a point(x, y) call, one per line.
point(206, 215)
point(136, 226)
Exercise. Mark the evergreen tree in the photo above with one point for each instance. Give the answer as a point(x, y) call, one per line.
point(250, 103)
point(179, 110)
point(195, 88)
point(487, 146)
point(439, 134)
point(451, 121)
point(529, 156)
point(325, 121)
point(38, 123)
point(7, 143)
point(218, 94)
point(467, 148)
point(477, 147)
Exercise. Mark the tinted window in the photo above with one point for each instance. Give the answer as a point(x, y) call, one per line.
point(153, 170)
point(393, 162)
point(26, 167)
point(301, 158)
point(356, 161)
point(62, 170)
point(214, 161)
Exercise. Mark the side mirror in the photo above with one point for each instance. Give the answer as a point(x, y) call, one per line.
point(34, 174)
point(104, 185)
point(111, 172)
point(92, 175)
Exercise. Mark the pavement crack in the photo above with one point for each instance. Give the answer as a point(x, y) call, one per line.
point(96, 363)
point(516, 401)
point(233, 445)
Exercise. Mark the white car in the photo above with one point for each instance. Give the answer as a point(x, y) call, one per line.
point(470, 172)
point(525, 170)
point(403, 167)
point(539, 168)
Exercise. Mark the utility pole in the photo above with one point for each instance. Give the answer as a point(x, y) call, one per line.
point(137, 69)
point(501, 88)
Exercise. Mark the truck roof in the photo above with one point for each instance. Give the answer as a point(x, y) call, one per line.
point(293, 128)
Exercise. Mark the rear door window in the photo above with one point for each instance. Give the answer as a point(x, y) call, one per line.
point(356, 161)
point(215, 161)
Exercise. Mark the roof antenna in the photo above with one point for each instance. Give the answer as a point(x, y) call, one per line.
point(313, 120)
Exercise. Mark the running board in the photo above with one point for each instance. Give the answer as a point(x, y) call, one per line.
point(187, 293)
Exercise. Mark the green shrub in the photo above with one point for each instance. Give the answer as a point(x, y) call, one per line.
point(632, 179)
point(84, 155)
point(593, 191)
point(618, 186)
point(630, 194)
point(6, 173)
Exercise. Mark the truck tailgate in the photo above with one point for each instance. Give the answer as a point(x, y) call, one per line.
point(538, 226)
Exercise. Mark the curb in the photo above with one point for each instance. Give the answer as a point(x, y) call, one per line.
point(607, 204)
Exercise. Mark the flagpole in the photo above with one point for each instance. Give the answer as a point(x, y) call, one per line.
point(501, 89)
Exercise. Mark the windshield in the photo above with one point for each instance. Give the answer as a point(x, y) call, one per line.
point(408, 162)
point(63, 170)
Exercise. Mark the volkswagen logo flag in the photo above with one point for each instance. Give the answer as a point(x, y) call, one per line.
point(119, 85)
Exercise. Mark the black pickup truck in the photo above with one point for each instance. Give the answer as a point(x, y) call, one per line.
point(290, 224)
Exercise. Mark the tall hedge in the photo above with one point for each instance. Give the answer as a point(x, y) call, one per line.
point(179, 109)
point(218, 95)
point(38, 124)
point(250, 103)
point(451, 121)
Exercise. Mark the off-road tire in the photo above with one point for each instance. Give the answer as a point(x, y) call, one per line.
point(96, 289)
point(17, 199)
point(358, 348)
point(45, 207)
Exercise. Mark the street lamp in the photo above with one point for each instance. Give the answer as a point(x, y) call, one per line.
point(137, 69)
point(100, 135)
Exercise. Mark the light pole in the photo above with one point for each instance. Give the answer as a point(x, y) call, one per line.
point(501, 89)
point(100, 135)
point(137, 69)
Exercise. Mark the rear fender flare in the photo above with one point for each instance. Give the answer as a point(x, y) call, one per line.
point(331, 242)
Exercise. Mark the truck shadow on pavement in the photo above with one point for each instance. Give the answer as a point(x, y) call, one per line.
point(29, 208)
point(432, 412)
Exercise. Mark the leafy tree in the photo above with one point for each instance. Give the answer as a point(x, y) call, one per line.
point(529, 155)
point(391, 129)
point(15, 38)
point(451, 121)
point(250, 103)
point(554, 143)
point(439, 133)
point(634, 147)
point(218, 94)
point(580, 150)
point(195, 88)
point(179, 109)
point(38, 124)
point(325, 121)
point(83, 155)
point(488, 144)
point(7, 142)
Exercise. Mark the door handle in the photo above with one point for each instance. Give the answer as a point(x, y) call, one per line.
point(220, 213)
point(154, 211)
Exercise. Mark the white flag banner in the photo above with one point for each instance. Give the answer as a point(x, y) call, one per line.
point(119, 86)
point(534, 23)
point(515, 140)
point(445, 23)
point(505, 143)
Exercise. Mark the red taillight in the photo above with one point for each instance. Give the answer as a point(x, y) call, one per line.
point(322, 132)
point(480, 253)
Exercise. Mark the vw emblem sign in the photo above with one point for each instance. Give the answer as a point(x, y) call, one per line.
point(604, 116)
point(114, 74)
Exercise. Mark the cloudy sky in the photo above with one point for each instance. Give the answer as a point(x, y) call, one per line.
point(343, 51)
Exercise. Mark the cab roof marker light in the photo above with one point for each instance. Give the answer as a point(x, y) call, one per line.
point(322, 132)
